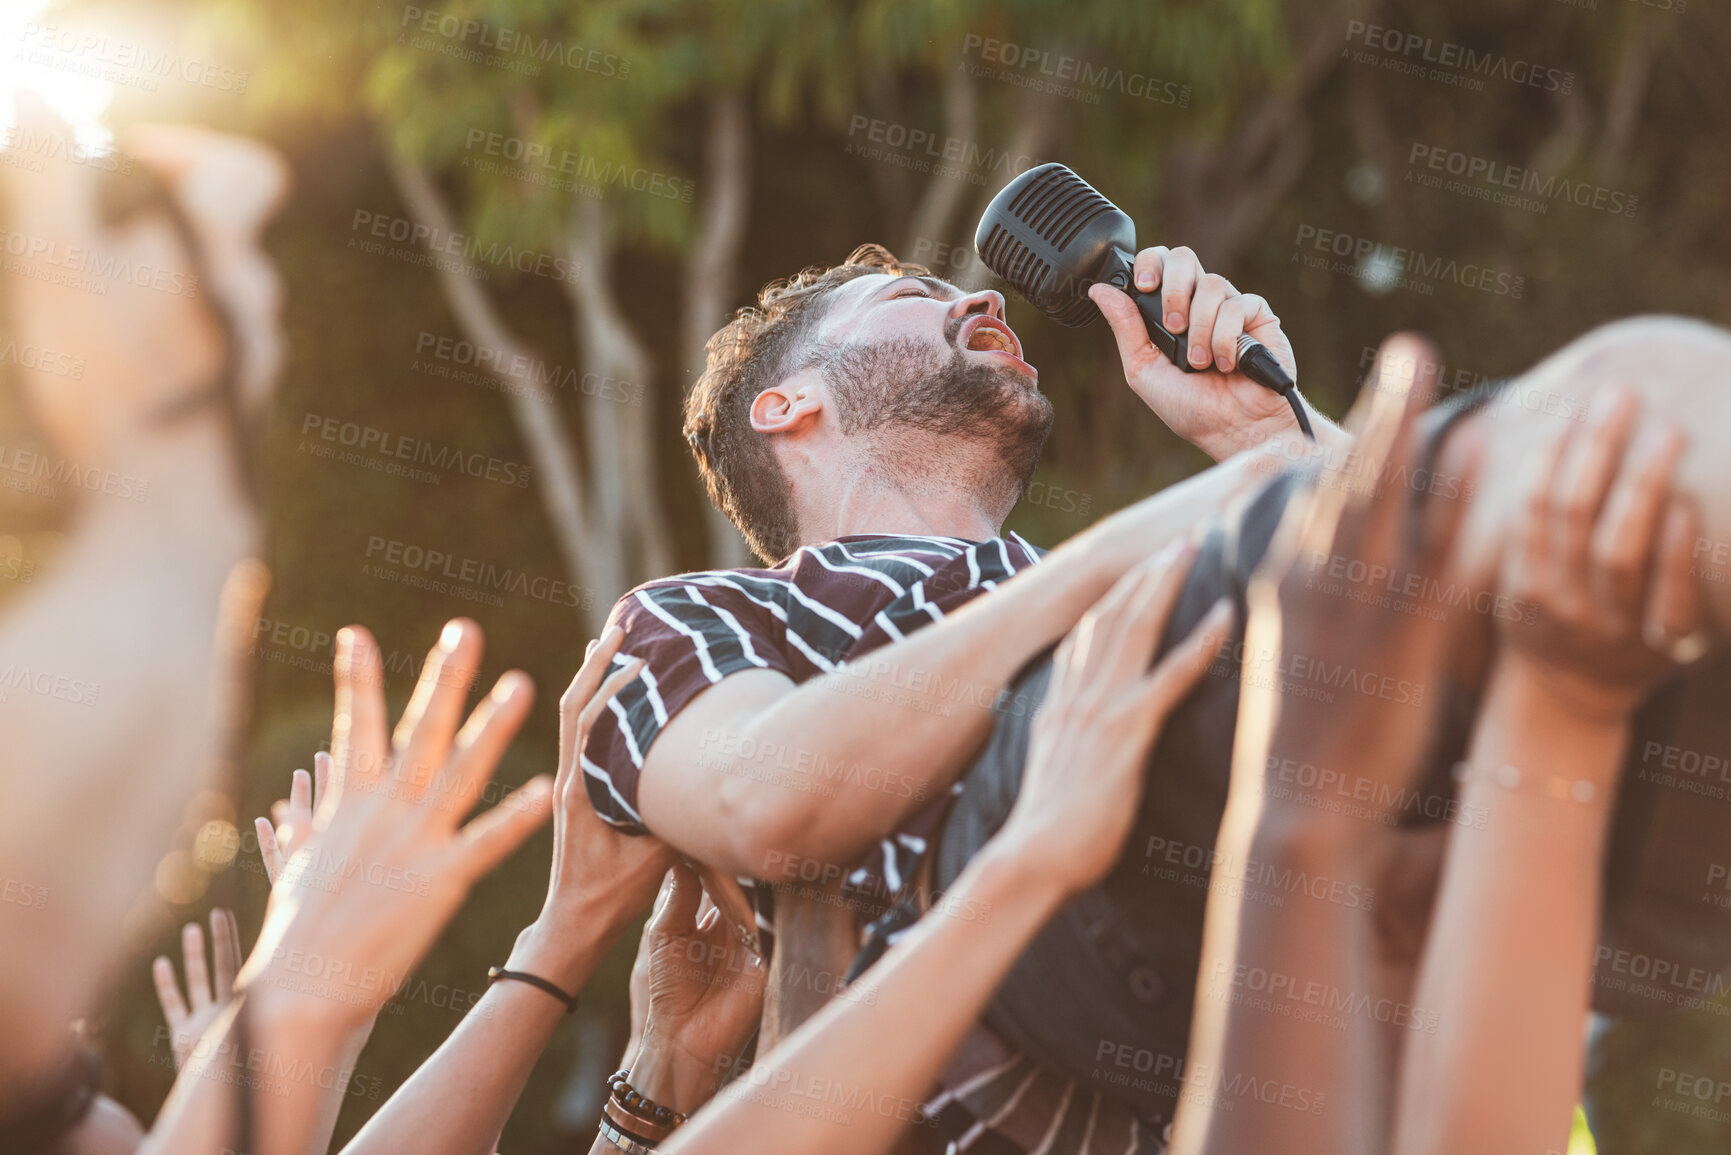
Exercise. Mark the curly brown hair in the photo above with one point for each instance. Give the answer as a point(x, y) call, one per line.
point(762, 345)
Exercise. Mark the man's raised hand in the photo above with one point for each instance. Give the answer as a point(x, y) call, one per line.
point(1219, 410)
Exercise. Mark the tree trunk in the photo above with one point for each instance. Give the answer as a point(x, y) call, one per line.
point(712, 272)
point(626, 504)
point(1224, 192)
point(937, 204)
point(536, 412)
point(1037, 120)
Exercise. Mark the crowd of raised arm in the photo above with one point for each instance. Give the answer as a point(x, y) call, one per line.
point(1537, 783)
point(1466, 983)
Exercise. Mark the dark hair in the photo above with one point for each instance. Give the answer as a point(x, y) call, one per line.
point(758, 348)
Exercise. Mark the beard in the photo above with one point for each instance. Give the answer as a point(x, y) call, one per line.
point(894, 391)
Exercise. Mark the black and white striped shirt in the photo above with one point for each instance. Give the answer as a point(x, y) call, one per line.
point(822, 607)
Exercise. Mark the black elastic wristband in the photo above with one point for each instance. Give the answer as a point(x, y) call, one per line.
point(494, 974)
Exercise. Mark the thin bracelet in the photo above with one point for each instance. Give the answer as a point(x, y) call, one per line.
point(622, 1141)
point(634, 1126)
point(494, 974)
point(1513, 778)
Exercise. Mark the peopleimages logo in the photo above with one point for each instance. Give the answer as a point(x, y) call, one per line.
point(44, 258)
point(366, 439)
point(1385, 267)
point(113, 59)
point(1059, 74)
point(33, 145)
point(452, 250)
point(922, 150)
point(504, 46)
point(539, 164)
point(1443, 60)
point(1509, 184)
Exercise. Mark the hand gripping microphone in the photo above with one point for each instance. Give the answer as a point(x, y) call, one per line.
point(1050, 235)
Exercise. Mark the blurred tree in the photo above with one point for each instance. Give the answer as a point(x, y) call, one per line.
point(535, 123)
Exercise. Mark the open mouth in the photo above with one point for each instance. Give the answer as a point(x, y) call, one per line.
point(983, 334)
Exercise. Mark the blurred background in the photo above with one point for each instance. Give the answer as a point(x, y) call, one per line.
point(515, 223)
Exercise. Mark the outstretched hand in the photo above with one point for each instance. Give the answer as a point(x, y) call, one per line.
point(291, 818)
point(207, 991)
point(1083, 785)
point(1352, 588)
point(389, 860)
point(705, 984)
point(1603, 560)
point(601, 877)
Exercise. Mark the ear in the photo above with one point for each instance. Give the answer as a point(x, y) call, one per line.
point(791, 406)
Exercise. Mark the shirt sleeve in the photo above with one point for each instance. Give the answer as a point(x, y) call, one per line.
point(690, 635)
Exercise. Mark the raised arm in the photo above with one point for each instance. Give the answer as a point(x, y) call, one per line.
point(459, 1099)
point(1291, 995)
point(708, 784)
point(362, 900)
point(1218, 409)
point(853, 1076)
point(1604, 557)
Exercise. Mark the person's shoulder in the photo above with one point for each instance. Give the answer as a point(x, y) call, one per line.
point(697, 593)
point(929, 549)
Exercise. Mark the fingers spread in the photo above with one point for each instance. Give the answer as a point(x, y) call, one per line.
point(300, 797)
point(616, 681)
point(225, 951)
point(1623, 541)
point(268, 848)
point(495, 835)
point(485, 736)
point(1534, 567)
point(1134, 630)
point(1673, 610)
point(168, 992)
point(197, 977)
point(1587, 472)
point(1184, 665)
point(424, 733)
point(1387, 410)
point(583, 686)
point(359, 742)
point(1094, 641)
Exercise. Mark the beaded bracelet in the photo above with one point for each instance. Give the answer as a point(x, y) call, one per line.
point(1546, 785)
point(639, 1106)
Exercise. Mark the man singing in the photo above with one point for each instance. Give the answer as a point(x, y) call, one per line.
point(872, 426)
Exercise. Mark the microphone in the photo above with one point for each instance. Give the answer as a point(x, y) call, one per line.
point(1051, 236)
